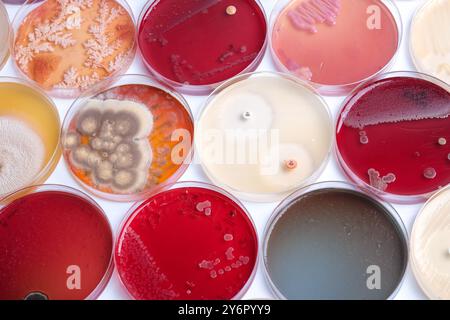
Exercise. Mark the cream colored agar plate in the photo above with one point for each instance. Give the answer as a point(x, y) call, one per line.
point(430, 40)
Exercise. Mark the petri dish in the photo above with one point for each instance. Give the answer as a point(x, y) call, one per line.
point(334, 44)
point(334, 241)
point(66, 47)
point(5, 32)
point(429, 43)
point(128, 140)
point(56, 244)
point(392, 135)
point(262, 135)
point(195, 45)
point(429, 246)
point(191, 242)
point(30, 131)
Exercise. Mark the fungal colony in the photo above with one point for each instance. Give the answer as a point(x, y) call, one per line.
point(430, 246)
point(73, 44)
point(430, 44)
point(29, 130)
point(263, 136)
point(119, 142)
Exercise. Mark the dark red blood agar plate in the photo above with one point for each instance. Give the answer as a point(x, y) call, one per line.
point(191, 242)
point(55, 243)
point(194, 45)
point(393, 135)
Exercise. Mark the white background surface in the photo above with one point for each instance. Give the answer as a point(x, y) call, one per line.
point(260, 212)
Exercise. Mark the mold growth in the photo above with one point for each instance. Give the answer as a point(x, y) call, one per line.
point(111, 142)
point(22, 155)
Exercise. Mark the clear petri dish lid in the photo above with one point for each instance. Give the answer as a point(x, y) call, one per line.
point(190, 241)
point(30, 130)
point(321, 235)
point(5, 34)
point(335, 45)
point(127, 140)
point(194, 46)
point(57, 245)
point(429, 246)
point(428, 45)
point(19, 2)
point(392, 136)
point(79, 44)
point(261, 135)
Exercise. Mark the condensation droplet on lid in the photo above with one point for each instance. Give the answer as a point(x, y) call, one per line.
point(213, 274)
point(430, 173)
point(442, 141)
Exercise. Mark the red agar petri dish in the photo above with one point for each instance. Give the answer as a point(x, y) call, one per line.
point(335, 44)
point(191, 242)
point(393, 135)
point(194, 45)
point(55, 243)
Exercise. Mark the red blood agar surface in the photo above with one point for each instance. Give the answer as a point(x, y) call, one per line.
point(390, 135)
point(44, 236)
point(186, 243)
point(201, 42)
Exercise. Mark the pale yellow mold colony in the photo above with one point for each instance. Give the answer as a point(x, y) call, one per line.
point(430, 40)
point(430, 246)
point(262, 136)
point(29, 131)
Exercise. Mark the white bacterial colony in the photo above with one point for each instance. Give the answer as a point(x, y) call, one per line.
point(217, 267)
point(155, 277)
point(378, 182)
point(204, 207)
point(386, 113)
point(22, 155)
point(119, 153)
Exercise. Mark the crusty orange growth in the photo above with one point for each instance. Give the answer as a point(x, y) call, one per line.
point(74, 43)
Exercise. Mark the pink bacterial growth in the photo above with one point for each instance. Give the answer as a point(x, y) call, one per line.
point(335, 42)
